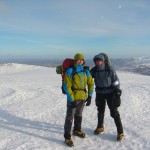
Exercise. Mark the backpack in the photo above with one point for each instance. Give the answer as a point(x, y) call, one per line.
point(61, 69)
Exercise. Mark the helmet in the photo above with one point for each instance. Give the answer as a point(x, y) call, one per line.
point(78, 56)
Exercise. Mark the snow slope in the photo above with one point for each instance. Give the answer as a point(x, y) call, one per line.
point(32, 112)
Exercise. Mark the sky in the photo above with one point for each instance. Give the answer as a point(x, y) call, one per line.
point(62, 28)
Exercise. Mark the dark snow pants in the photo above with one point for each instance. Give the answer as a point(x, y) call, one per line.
point(73, 113)
point(101, 100)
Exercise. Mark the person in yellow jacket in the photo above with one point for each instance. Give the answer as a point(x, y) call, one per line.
point(75, 82)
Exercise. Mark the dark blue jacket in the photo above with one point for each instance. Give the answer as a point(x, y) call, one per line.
point(106, 80)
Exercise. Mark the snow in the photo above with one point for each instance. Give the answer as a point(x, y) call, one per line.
point(32, 112)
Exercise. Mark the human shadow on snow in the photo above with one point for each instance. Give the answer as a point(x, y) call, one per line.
point(17, 124)
point(103, 136)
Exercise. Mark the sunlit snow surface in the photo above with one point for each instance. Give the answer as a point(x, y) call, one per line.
point(32, 112)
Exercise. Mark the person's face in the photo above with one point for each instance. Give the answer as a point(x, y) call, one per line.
point(80, 62)
point(99, 62)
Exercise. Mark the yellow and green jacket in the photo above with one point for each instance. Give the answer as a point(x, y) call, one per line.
point(76, 81)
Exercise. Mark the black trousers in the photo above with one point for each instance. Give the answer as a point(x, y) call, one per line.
point(101, 100)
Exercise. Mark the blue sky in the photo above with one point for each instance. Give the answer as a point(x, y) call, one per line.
point(62, 28)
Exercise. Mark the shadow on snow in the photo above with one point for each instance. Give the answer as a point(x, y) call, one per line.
point(17, 124)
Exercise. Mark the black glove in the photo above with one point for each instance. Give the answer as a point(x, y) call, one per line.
point(74, 104)
point(117, 99)
point(88, 101)
point(118, 92)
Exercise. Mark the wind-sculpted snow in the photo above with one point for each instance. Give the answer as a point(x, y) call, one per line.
point(32, 112)
point(12, 68)
point(6, 92)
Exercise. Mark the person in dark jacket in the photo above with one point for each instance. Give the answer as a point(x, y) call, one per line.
point(107, 88)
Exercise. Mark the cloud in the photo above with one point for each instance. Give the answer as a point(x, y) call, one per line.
point(4, 9)
point(142, 4)
point(119, 6)
point(74, 18)
point(21, 39)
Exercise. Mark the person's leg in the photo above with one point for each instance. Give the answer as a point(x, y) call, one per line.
point(114, 114)
point(100, 103)
point(78, 115)
point(68, 121)
point(78, 119)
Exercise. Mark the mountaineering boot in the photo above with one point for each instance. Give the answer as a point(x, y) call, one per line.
point(120, 136)
point(99, 130)
point(77, 127)
point(100, 127)
point(79, 133)
point(69, 142)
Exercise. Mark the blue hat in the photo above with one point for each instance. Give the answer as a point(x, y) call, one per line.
point(97, 57)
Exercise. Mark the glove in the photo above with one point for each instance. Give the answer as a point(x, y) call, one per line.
point(118, 92)
point(117, 100)
point(88, 101)
point(74, 104)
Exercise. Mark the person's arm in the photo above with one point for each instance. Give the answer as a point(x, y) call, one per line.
point(92, 72)
point(90, 83)
point(67, 84)
point(115, 79)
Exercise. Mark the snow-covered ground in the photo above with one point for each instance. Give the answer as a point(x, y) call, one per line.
point(32, 112)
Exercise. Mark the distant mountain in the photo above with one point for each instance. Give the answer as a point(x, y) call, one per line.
point(137, 65)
